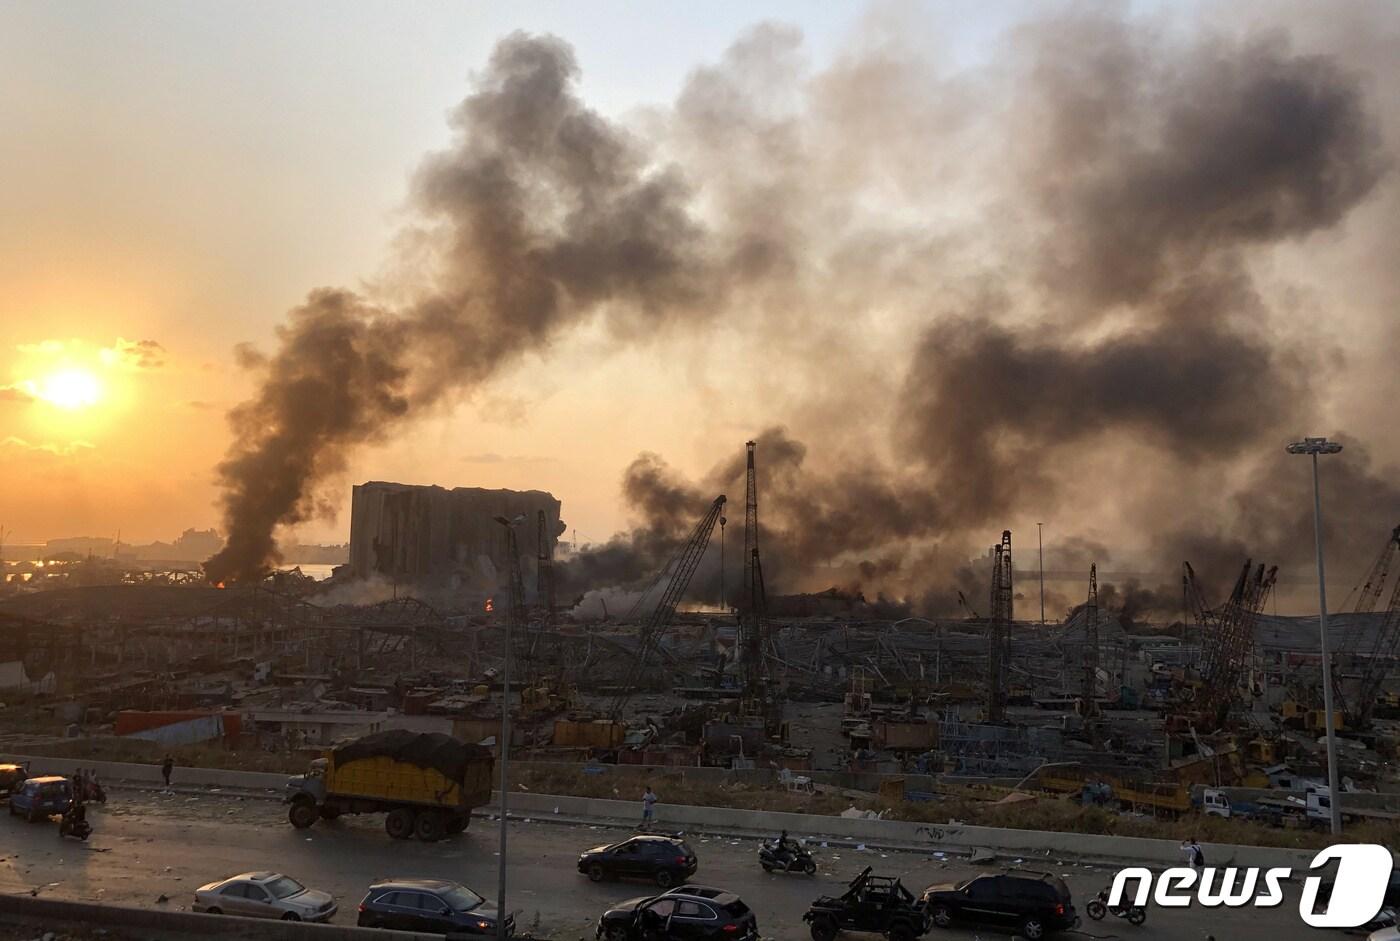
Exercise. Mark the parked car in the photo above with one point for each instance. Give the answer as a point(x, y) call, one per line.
point(40, 798)
point(11, 777)
point(434, 906)
point(264, 895)
point(665, 860)
point(1035, 903)
point(685, 913)
point(877, 904)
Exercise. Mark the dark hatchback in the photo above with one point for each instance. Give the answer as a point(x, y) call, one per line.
point(662, 859)
point(433, 906)
point(685, 913)
point(1034, 903)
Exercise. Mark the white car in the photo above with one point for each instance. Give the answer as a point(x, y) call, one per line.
point(264, 895)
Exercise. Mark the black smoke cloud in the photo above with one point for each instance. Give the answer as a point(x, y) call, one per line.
point(1146, 179)
point(848, 528)
point(539, 213)
point(1091, 333)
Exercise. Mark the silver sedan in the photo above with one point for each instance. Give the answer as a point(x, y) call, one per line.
point(264, 895)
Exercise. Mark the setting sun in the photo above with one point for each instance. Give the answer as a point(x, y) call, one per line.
point(68, 388)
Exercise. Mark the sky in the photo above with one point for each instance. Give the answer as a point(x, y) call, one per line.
point(186, 173)
point(865, 202)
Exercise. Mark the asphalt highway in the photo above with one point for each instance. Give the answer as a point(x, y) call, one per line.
point(148, 845)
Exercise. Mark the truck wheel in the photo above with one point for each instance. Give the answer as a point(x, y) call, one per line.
point(942, 916)
point(823, 929)
point(430, 826)
point(399, 823)
point(302, 814)
point(1033, 929)
point(458, 823)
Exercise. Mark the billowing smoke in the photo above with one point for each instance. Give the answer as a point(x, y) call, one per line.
point(540, 213)
point(1145, 179)
point(1042, 288)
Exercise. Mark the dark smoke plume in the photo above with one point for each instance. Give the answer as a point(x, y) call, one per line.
point(1147, 178)
point(539, 213)
point(1040, 289)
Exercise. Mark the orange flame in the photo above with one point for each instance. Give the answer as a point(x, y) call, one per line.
point(220, 585)
point(490, 606)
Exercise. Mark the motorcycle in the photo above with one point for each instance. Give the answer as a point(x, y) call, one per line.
point(789, 859)
point(1098, 907)
point(74, 825)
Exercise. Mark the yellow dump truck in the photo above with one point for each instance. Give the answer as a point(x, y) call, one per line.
point(427, 784)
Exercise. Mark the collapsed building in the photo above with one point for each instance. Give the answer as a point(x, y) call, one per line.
point(435, 536)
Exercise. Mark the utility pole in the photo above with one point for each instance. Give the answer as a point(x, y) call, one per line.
point(1041, 541)
point(1316, 446)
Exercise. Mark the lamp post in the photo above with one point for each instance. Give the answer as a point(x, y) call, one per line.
point(513, 605)
point(1314, 447)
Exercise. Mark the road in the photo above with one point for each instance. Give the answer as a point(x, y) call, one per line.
point(149, 844)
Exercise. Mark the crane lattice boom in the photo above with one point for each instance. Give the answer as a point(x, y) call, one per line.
point(1226, 655)
point(682, 568)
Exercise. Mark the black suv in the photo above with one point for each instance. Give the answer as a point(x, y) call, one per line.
point(433, 906)
point(880, 904)
point(685, 913)
point(662, 859)
point(1035, 903)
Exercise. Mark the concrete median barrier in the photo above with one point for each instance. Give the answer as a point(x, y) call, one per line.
point(902, 834)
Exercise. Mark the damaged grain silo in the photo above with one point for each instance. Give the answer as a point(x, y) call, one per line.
point(429, 535)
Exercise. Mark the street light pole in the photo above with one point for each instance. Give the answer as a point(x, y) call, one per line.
point(513, 606)
point(1316, 446)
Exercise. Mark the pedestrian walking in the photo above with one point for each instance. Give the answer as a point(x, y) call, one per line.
point(1194, 854)
point(648, 806)
point(167, 766)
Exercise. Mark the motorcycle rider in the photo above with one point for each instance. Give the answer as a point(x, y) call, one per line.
point(75, 819)
point(785, 850)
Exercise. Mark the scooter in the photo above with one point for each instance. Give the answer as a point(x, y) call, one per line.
point(1098, 907)
point(75, 826)
point(790, 859)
